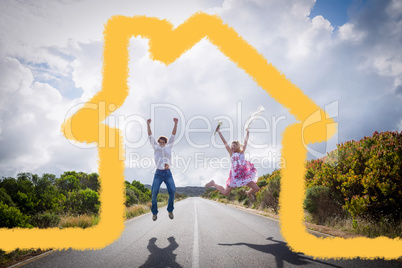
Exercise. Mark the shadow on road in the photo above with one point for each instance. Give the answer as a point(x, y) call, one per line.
point(282, 253)
point(161, 257)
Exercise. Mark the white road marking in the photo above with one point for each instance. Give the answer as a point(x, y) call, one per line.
point(31, 259)
point(196, 259)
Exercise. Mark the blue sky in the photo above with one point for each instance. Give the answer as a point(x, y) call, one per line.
point(344, 55)
point(337, 11)
point(334, 11)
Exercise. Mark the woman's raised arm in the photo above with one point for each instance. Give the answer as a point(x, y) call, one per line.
point(246, 140)
point(224, 141)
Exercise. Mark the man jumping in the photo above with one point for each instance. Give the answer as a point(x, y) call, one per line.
point(163, 156)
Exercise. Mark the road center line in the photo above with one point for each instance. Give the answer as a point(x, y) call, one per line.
point(196, 260)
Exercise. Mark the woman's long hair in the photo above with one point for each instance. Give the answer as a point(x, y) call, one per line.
point(240, 147)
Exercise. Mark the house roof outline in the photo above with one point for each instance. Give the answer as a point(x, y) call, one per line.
point(166, 45)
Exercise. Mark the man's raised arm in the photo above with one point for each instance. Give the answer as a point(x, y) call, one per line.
point(175, 126)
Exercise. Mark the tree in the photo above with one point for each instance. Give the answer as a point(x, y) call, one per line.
point(91, 181)
point(11, 217)
point(140, 187)
point(46, 192)
point(134, 195)
point(366, 173)
point(68, 183)
point(82, 201)
point(5, 198)
point(21, 191)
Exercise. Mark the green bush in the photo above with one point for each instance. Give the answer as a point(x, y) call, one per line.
point(68, 182)
point(5, 198)
point(11, 217)
point(49, 197)
point(210, 193)
point(21, 191)
point(366, 173)
point(262, 181)
point(82, 202)
point(135, 195)
point(216, 194)
point(131, 197)
point(321, 204)
point(241, 195)
point(269, 195)
point(141, 187)
point(163, 197)
point(45, 220)
point(180, 196)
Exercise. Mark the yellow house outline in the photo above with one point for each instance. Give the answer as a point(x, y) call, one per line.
point(166, 45)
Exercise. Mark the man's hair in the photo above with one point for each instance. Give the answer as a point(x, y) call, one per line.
point(163, 138)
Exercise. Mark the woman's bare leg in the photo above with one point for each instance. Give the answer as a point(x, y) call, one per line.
point(254, 188)
point(222, 190)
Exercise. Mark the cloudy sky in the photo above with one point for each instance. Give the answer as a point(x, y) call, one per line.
point(345, 55)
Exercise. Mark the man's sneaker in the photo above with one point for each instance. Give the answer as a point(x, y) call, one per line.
point(154, 217)
point(171, 215)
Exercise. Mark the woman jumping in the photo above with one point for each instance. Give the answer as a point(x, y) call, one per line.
point(242, 172)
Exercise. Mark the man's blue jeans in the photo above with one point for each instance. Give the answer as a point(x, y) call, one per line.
point(166, 177)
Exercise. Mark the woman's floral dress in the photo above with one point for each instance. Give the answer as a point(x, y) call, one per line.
point(241, 172)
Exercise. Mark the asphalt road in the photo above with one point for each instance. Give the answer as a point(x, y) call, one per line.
point(202, 234)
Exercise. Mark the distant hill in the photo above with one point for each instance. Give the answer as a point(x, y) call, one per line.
point(188, 190)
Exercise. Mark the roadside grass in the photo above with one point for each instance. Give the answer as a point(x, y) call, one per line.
point(71, 221)
point(359, 227)
point(9, 258)
point(79, 221)
point(136, 210)
point(370, 228)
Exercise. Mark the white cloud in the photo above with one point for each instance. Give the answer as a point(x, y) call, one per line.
point(31, 116)
point(347, 32)
point(87, 68)
point(312, 41)
point(51, 60)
